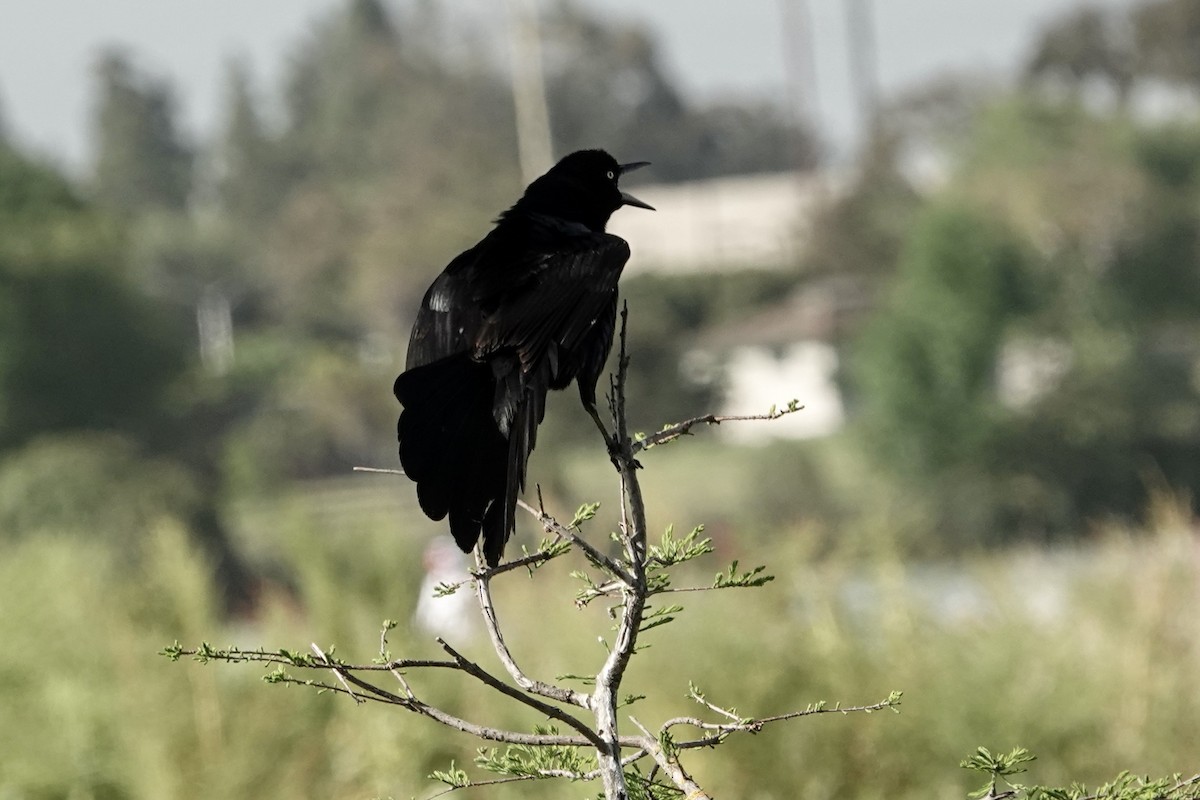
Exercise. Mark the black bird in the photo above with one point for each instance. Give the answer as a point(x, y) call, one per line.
point(528, 309)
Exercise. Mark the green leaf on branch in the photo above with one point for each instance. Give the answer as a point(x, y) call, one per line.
point(659, 616)
point(541, 761)
point(731, 578)
point(446, 589)
point(453, 777)
point(1001, 764)
point(586, 680)
point(671, 550)
point(584, 513)
point(278, 675)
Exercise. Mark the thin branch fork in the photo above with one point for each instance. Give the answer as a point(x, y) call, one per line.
point(670, 765)
point(552, 525)
point(480, 731)
point(483, 593)
point(349, 680)
point(486, 678)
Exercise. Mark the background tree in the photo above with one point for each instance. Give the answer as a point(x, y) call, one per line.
point(1087, 43)
point(141, 161)
point(607, 84)
point(249, 178)
point(79, 347)
point(83, 350)
point(1167, 33)
point(1034, 394)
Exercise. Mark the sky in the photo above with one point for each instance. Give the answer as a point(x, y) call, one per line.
point(713, 48)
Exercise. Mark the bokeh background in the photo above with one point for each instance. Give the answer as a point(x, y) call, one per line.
point(965, 235)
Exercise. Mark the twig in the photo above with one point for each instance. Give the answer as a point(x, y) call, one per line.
point(540, 557)
point(542, 774)
point(384, 656)
point(337, 672)
point(552, 525)
point(548, 523)
point(752, 725)
point(480, 731)
point(485, 677)
point(260, 656)
point(674, 431)
point(702, 700)
point(483, 593)
point(670, 765)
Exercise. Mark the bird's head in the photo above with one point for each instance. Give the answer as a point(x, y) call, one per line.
point(582, 187)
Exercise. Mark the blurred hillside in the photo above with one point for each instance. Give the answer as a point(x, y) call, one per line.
point(1002, 294)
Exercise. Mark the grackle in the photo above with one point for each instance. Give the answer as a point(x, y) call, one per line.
point(528, 309)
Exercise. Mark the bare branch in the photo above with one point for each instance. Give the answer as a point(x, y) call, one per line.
point(674, 431)
point(236, 655)
point(480, 731)
point(485, 677)
point(670, 765)
point(538, 558)
point(552, 525)
point(633, 574)
point(483, 593)
point(702, 700)
point(752, 725)
point(543, 774)
point(321, 654)
point(604, 698)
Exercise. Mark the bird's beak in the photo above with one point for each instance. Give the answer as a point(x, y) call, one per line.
point(630, 200)
point(626, 197)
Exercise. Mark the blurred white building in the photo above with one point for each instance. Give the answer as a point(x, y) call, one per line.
point(787, 352)
point(736, 222)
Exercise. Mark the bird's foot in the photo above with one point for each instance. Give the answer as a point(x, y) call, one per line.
point(617, 453)
point(614, 449)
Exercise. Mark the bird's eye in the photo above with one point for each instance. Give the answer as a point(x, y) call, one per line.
point(611, 175)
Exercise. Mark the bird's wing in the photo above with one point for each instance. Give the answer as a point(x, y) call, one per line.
point(553, 300)
point(450, 316)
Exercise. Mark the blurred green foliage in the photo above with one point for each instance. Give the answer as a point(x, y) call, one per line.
point(142, 162)
point(1087, 661)
point(1033, 363)
point(80, 347)
point(929, 356)
point(90, 486)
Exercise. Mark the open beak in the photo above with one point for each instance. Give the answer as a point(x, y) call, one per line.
point(626, 197)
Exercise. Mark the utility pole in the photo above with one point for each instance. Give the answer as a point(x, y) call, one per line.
point(860, 33)
point(800, 63)
point(529, 89)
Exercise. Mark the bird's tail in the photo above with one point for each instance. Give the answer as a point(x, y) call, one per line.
point(451, 445)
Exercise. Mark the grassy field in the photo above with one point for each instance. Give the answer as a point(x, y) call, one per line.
point(1087, 656)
